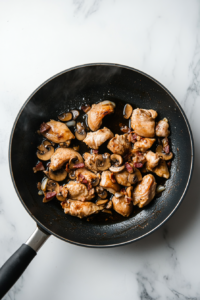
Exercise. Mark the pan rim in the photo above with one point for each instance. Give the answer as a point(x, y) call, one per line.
point(189, 175)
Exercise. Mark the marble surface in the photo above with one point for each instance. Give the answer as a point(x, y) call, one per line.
point(162, 38)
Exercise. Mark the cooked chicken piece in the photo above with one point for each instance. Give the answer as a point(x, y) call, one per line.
point(77, 191)
point(138, 157)
point(83, 173)
point(58, 133)
point(90, 161)
point(152, 160)
point(153, 113)
point(108, 184)
point(80, 209)
point(162, 170)
point(143, 122)
point(145, 191)
point(98, 112)
point(122, 206)
point(97, 138)
point(123, 178)
point(119, 144)
point(127, 179)
point(162, 128)
point(143, 145)
point(63, 155)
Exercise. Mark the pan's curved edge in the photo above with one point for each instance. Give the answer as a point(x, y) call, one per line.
point(191, 143)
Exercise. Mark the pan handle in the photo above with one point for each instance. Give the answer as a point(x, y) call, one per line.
point(19, 261)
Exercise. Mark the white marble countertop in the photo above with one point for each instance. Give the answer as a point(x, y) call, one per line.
point(162, 38)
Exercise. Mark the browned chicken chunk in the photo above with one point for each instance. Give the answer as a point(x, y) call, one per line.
point(119, 144)
point(145, 191)
point(162, 128)
point(97, 138)
point(122, 206)
point(98, 112)
point(77, 191)
point(127, 179)
point(152, 160)
point(63, 155)
point(143, 145)
point(107, 182)
point(83, 174)
point(58, 132)
point(162, 170)
point(80, 209)
point(138, 157)
point(143, 122)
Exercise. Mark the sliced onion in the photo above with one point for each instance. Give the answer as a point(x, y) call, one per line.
point(160, 188)
point(40, 193)
point(71, 123)
point(44, 184)
point(118, 195)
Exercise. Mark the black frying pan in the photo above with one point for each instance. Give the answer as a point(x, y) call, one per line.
point(70, 89)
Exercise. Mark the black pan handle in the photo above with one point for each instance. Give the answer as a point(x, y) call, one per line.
point(19, 261)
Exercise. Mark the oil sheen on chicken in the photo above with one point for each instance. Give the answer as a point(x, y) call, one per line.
point(122, 206)
point(88, 175)
point(98, 112)
point(162, 128)
point(108, 184)
point(143, 145)
point(97, 138)
point(63, 155)
point(152, 160)
point(119, 144)
point(145, 191)
point(80, 209)
point(77, 191)
point(58, 133)
point(143, 122)
point(138, 157)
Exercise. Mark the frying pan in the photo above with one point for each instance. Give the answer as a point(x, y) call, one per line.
point(68, 90)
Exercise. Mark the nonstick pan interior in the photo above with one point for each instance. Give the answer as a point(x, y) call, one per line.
point(90, 84)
